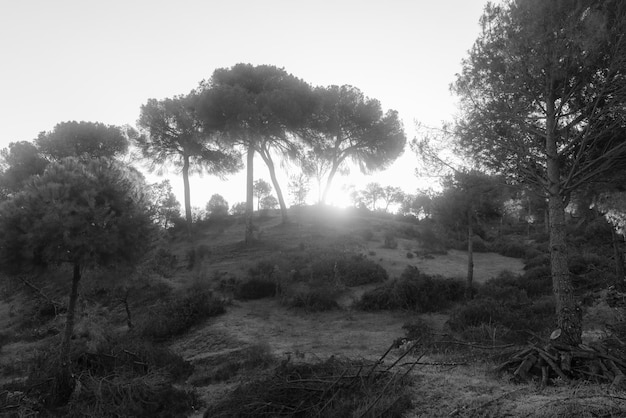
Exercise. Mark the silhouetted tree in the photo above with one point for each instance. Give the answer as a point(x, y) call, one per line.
point(262, 189)
point(174, 135)
point(217, 206)
point(346, 125)
point(261, 108)
point(83, 140)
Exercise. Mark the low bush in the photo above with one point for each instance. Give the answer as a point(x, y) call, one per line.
point(536, 281)
point(413, 291)
point(121, 378)
point(348, 269)
point(541, 260)
point(164, 262)
point(390, 241)
point(503, 288)
point(178, 314)
point(256, 289)
point(431, 240)
point(315, 300)
point(367, 234)
point(516, 319)
point(479, 245)
point(223, 367)
point(509, 248)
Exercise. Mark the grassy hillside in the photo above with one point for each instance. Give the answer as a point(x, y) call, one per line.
point(336, 313)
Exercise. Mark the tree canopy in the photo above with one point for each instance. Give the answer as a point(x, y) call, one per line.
point(84, 140)
point(261, 108)
point(346, 125)
point(217, 206)
point(19, 162)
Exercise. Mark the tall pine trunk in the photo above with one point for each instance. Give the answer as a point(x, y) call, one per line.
point(70, 318)
point(187, 190)
point(569, 318)
point(329, 181)
point(281, 200)
point(249, 195)
point(620, 275)
point(470, 256)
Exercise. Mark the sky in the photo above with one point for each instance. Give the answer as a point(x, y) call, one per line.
point(99, 61)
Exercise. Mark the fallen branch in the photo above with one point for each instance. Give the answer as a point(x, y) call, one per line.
point(474, 345)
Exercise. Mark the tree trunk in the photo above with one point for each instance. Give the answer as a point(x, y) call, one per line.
point(281, 201)
point(331, 175)
point(470, 257)
point(250, 195)
point(187, 193)
point(569, 317)
point(620, 275)
point(69, 321)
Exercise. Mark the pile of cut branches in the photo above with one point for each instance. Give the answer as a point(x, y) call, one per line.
point(555, 360)
point(335, 387)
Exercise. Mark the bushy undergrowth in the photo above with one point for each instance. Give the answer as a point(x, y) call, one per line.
point(347, 269)
point(331, 388)
point(390, 241)
point(226, 366)
point(508, 306)
point(315, 300)
point(413, 291)
point(514, 320)
point(177, 314)
point(328, 266)
point(255, 289)
point(122, 377)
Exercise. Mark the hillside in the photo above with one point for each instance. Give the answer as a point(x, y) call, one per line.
point(295, 297)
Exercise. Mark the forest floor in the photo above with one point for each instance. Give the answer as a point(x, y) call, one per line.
point(456, 383)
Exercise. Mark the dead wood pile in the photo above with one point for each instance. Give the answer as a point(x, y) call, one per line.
point(335, 387)
point(553, 360)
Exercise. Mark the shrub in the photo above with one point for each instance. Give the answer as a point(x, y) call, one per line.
point(225, 366)
point(410, 255)
point(418, 329)
point(256, 289)
point(263, 270)
point(390, 241)
point(538, 317)
point(316, 300)
point(349, 269)
point(367, 234)
point(479, 245)
point(121, 378)
point(536, 281)
point(177, 315)
point(505, 288)
point(164, 262)
point(413, 291)
point(541, 260)
point(509, 248)
point(431, 240)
